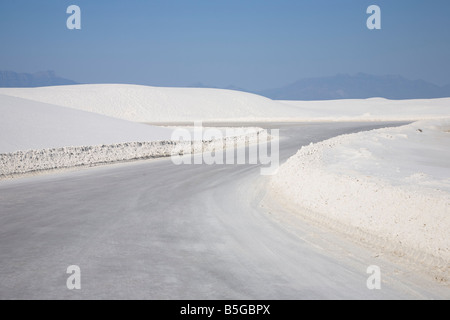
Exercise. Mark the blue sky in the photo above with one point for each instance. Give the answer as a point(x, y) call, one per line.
point(255, 44)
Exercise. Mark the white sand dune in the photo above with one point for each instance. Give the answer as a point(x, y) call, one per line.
point(391, 183)
point(152, 104)
point(155, 104)
point(373, 109)
point(31, 125)
point(36, 136)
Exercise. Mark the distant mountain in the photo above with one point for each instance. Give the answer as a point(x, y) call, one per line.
point(230, 87)
point(10, 79)
point(341, 86)
point(235, 88)
point(359, 86)
point(200, 85)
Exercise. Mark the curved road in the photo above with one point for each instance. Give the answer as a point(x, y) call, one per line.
point(153, 230)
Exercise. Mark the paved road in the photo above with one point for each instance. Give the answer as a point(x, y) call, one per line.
point(154, 230)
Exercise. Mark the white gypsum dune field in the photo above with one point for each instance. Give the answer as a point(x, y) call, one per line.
point(36, 136)
point(31, 125)
point(391, 183)
point(387, 182)
point(156, 104)
point(373, 109)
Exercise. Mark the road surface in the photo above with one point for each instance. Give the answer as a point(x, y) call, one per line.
point(153, 230)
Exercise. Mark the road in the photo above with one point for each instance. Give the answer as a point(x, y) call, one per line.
point(153, 230)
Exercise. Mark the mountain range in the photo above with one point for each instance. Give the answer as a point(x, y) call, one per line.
point(341, 86)
point(359, 86)
point(10, 79)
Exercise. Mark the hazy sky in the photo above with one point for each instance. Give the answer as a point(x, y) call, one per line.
point(255, 44)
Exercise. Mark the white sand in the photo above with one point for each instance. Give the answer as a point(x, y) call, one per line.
point(31, 125)
point(152, 104)
point(374, 109)
point(24, 162)
point(393, 184)
point(36, 136)
point(155, 104)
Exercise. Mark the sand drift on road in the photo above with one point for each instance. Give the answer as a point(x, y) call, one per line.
point(390, 186)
